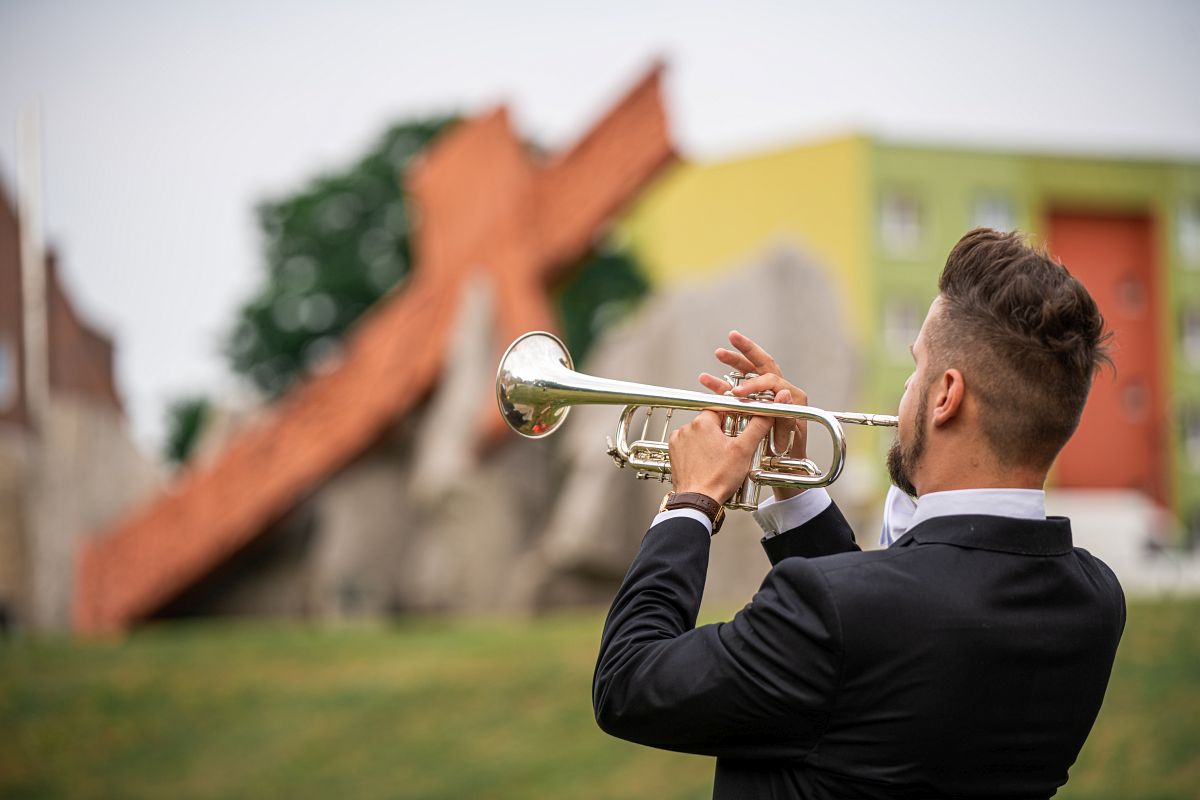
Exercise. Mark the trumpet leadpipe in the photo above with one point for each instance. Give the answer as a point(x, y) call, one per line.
point(868, 420)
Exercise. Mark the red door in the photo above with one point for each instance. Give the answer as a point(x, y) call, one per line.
point(1119, 443)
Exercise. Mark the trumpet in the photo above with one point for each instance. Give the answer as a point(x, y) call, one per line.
point(536, 385)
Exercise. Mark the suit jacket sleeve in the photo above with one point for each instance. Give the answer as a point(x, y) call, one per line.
point(823, 535)
point(759, 686)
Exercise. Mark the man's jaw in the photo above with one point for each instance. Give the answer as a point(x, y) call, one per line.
point(900, 467)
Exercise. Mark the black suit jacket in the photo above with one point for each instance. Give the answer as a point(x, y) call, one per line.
point(967, 660)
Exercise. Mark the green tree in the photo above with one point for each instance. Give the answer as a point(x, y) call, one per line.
point(185, 421)
point(605, 287)
point(331, 250)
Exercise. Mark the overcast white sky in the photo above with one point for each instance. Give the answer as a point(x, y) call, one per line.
point(165, 123)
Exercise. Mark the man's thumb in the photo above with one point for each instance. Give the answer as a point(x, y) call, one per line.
point(756, 429)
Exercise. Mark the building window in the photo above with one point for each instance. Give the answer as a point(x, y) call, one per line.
point(8, 374)
point(900, 223)
point(1189, 335)
point(1191, 437)
point(1189, 233)
point(994, 211)
point(901, 324)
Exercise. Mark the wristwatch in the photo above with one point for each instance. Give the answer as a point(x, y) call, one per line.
point(695, 500)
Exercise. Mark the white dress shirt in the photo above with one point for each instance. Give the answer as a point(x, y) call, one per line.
point(1013, 503)
point(900, 512)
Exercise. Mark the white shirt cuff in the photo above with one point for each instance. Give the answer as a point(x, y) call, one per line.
point(690, 513)
point(775, 516)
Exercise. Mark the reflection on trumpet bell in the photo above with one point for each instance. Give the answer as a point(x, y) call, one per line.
point(536, 385)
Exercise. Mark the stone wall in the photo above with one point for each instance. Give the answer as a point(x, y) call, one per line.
point(15, 446)
point(84, 472)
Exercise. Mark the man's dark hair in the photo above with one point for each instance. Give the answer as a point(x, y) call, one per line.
point(1027, 337)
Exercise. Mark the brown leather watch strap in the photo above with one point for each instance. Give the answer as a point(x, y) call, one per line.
point(700, 502)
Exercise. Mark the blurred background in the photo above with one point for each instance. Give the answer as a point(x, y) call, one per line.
point(262, 529)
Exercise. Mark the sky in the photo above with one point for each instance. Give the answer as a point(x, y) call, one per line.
point(164, 124)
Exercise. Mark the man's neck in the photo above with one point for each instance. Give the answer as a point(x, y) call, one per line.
point(951, 476)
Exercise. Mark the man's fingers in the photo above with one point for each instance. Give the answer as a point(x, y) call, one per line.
point(713, 383)
point(763, 383)
point(760, 359)
point(734, 360)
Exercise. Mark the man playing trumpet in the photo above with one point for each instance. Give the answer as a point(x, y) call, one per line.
point(969, 658)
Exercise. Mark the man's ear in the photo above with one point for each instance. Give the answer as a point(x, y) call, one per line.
point(948, 400)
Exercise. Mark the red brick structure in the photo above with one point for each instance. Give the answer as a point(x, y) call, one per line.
point(486, 207)
point(80, 357)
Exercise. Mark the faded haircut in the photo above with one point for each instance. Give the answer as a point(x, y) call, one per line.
point(1027, 337)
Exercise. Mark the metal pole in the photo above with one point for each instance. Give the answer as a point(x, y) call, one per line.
point(33, 266)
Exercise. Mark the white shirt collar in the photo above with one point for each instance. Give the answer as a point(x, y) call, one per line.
point(901, 514)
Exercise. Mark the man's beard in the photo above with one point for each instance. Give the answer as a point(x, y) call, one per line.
point(901, 460)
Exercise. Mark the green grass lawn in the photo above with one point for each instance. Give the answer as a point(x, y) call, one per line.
point(440, 709)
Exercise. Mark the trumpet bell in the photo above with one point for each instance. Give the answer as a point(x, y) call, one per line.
point(523, 386)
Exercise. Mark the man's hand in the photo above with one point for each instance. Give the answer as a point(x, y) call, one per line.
point(749, 357)
point(705, 460)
